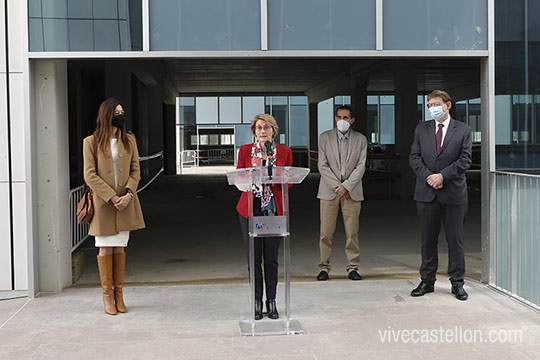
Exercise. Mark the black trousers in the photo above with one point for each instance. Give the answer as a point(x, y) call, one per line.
point(453, 218)
point(267, 248)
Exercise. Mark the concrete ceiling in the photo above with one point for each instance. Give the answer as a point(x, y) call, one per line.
point(313, 76)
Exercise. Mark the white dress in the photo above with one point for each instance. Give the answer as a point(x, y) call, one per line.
point(121, 239)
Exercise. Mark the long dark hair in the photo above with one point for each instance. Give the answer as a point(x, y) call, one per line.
point(104, 126)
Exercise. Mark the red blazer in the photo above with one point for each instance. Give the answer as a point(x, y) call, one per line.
point(283, 158)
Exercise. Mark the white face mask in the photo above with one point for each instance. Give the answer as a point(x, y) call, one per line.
point(343, 126)
point(437, 112)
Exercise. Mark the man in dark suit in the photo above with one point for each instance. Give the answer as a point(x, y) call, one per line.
point(440, 155)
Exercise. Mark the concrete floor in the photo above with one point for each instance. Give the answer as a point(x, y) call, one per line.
point(193, 235)
point(341, 320)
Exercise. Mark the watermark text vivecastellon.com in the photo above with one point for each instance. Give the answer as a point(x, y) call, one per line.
point(457, 335)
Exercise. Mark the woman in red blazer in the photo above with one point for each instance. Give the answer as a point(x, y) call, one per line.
point(267, 201)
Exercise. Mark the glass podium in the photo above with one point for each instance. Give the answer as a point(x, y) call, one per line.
point(269, 226)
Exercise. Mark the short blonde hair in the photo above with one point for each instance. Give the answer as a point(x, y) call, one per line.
point(268, 119)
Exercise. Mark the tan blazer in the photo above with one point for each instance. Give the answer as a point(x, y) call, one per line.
point(99, 175)
point(329, 165)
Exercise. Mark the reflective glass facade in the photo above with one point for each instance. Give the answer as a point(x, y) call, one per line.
point(85, 25)
point(205, 25)
point(517, 85)
point(321, 25)
point(435, 25)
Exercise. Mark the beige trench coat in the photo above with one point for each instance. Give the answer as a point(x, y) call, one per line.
point(99, 175)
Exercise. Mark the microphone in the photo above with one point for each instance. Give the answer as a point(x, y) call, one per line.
point(269, 155)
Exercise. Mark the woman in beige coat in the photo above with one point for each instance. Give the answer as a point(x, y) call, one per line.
point(111, 170)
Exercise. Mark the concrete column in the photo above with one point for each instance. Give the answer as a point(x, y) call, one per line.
point(313, 139)
point(52, 168)
point(405, 123)
point(169, 115)
point(359, 103)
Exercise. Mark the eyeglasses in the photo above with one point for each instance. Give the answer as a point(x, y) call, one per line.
point(265, 128)
point(430, 105)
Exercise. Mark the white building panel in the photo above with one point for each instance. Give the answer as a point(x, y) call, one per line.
point(5, 239)
point(19, 236)
point(18, 138)
point(4, 174)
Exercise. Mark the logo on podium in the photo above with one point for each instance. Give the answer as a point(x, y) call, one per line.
point(270, 225)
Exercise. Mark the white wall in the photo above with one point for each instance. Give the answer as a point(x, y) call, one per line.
point(14, 220)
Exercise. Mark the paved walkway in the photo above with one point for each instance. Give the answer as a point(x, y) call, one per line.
point(342, 320)
point(193, 235)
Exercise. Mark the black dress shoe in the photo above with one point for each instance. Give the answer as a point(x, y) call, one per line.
point(323, 275)
point(258, 310)
point(271, 308)
point(460, 292)
point(423, 289)
point(354, 275)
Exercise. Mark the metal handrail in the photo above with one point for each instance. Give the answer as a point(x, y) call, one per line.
point(534, 176)
point(150, 157)
point(79, 232)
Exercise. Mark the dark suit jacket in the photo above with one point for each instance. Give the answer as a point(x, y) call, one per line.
point(283, 158)
point(452, 161)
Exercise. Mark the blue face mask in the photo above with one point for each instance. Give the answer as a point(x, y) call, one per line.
point(437, 112)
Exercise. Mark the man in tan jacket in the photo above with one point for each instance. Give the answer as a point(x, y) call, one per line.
point(342, 163)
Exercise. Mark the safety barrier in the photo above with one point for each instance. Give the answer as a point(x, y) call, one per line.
point(515, 243)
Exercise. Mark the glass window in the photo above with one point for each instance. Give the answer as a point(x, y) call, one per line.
point(85, 25)
point(474, 119)
point(106, 35)
point(435, 25)
point(80, 9)
point(517, 80)
point(186, 111)
point(251, 106)
point(226, 139)
point(387, 125)
point(193, 140)
point(207, 110)
point(373, 119)
point(460, 111)
point(35, 34)
point(54, 9)
point(277, 107)
point(205, 25)
point(325, 116)
point(34, 8)
point(340, 101)
point(298, 121)
point(204, 140)
point(214, 139)
point(81, 38)
point(105, 9)
point(230, 110)
point(55, 34)
point(420, 108)
point(321, 24)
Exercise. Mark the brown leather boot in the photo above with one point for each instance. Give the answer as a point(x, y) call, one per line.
point(119, 266)
point(105, 265)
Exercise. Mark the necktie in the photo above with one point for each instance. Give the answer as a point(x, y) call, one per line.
point(438, 137)
point(343, 157)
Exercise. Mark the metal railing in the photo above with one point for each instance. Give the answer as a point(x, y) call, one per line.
point(515, 240)
point(188, 158)
point(79, 232)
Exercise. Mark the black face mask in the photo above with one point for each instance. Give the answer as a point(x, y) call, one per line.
point(118, 120)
